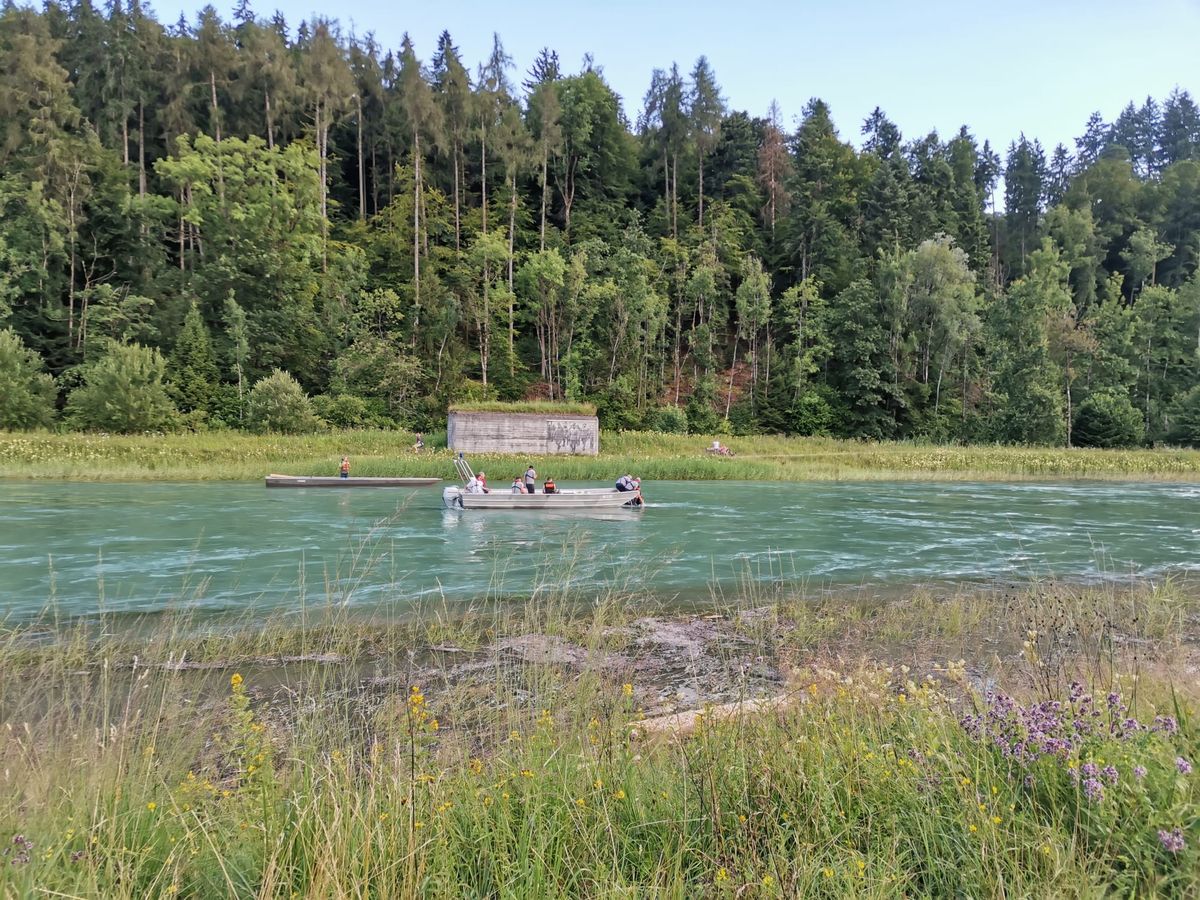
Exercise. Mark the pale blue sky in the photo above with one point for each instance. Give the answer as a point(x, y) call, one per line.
point(1000, 67)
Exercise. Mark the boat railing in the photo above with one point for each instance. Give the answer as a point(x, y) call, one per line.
point(463, 468)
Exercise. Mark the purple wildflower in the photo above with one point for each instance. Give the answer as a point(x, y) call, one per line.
point(1093, 790)
point(1091, 770)
point(1173, 840)
point(1110, 774)
point(1183, 766)
point(1165, 724)
point(1139, 772)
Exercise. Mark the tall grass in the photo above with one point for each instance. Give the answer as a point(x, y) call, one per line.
point(234, 456)
point(368, 765)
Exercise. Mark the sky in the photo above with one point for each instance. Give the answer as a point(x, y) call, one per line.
point(1001, 68)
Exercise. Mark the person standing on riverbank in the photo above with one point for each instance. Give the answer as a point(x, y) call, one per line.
point(344, 468)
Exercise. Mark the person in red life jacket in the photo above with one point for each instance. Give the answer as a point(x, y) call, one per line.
point(344, 468)
point(548, 487)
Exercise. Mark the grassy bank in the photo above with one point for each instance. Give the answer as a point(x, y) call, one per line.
point(527, 755)
point(242, 457)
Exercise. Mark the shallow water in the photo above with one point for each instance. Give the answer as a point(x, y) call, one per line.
point(228, 546)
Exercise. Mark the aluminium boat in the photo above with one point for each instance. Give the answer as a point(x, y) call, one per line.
point(458, 497)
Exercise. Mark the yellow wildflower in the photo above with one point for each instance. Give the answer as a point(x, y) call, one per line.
point(996, 820)
point(722, 874)
point(973, 829)
point(597, 784)
point(627, 690)
point(619, 794)
point(235, 681)
point(581, 802)
point(152, 806)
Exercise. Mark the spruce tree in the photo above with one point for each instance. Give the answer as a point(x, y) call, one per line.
point(192, 371)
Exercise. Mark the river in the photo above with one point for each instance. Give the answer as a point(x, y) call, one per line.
point(219, 547)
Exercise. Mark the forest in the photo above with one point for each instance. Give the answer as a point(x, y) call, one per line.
point(249, 224)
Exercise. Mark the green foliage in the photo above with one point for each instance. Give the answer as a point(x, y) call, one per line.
point(192, 369)
point(1108, 420)
point(669, 420)
point(1186, 428)
point(277, 403)
point(123, 392)
point(701, 409)
point(538, 407)
point(395, 232)
point(27, 393)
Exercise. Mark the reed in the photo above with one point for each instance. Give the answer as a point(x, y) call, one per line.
point(325, 755)
point(235, 456)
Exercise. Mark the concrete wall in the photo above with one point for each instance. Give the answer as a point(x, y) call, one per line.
point(538, 434)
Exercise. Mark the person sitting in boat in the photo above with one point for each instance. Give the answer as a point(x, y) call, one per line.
point(518, 487)
point(477, 484)
point(344, 468)
point(548, 487)
point(420, 444)
point(626, 483)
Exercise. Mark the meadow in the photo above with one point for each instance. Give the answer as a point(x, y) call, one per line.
point(455, 755)
point(237, 456)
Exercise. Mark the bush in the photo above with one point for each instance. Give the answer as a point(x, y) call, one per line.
point(278, 403)
point(1186, 428)
point(350, 411)
point(1107, 419)
point(669, 420)
point(123, 392)
point(701, 408)
point(810, 414)
point(27, 393)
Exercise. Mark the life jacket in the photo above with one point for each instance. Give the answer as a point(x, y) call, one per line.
point(549, 487)
point(345, 466)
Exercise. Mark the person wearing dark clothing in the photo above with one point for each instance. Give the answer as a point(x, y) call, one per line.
point(531, 480)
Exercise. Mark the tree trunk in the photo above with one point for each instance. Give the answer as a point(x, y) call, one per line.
point(483, 179)
point(141, 149)
point(457, 200)
point(545, 168)
point(417, 234)
point(701, 158)
point(732, 369)
point(362, 177)
point(270, 124)
point(216, 113)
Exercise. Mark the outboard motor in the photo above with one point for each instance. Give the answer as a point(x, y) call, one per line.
point(452, 497)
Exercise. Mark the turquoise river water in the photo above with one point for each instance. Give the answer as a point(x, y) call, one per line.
point(220, 547)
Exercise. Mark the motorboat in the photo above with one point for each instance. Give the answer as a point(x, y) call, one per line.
point(459, 497)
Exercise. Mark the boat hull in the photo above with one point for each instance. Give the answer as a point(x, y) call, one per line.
point(301, 481)
point(568, 498)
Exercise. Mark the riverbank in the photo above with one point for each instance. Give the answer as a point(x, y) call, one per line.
point(236, 456)
point(554, 751)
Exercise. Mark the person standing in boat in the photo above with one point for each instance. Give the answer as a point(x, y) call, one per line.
point(531, 480)
point(344, 468)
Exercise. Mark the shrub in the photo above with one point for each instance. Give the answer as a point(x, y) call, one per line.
point(27, 393)
point(278, 403)
point(701, 408)
point(123, 392)
point(350, 411)
point(1107, 419)
point(670, 420)
point(1186, 429)
point(810, 414)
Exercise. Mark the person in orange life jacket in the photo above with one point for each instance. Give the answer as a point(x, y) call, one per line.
point(548, 487)
point(344, 468)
